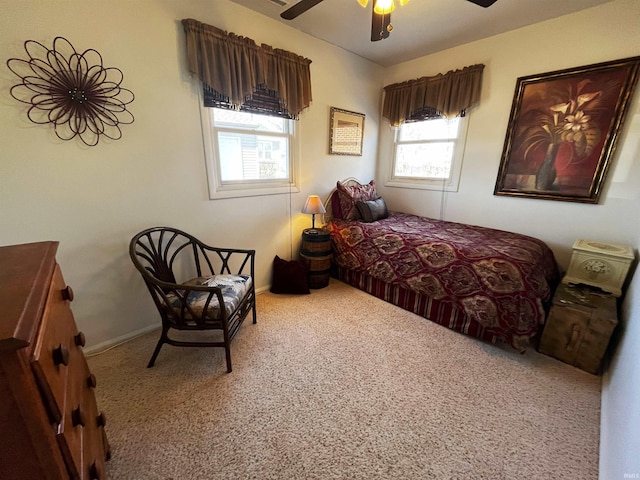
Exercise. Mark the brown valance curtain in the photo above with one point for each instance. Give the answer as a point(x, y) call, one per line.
point(446, 95)
point(236, 67)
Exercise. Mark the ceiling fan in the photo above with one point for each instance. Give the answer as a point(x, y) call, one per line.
point(380, 14)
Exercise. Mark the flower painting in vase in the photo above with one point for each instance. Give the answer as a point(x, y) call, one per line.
point(563, 130)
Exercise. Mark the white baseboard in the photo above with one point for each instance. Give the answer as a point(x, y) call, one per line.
point(108, 344)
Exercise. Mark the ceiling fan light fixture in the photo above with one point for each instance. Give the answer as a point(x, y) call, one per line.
point(402, 2)
point(363, 3)
point(384, 7)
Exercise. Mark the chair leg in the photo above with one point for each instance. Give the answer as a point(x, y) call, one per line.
point(161, 341)
point(227, 350)
point(253, 307)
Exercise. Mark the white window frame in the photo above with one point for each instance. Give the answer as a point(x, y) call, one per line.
point(247, 188)
point(450, 184)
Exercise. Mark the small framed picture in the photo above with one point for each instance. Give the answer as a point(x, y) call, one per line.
point(346, 132)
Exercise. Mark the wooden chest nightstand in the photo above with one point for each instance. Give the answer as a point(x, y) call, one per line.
point(579, 326)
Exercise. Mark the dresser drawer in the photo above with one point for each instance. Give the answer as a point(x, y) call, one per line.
point(93, 438)
point(51, 354)
point(75, 416)
point(93, 446)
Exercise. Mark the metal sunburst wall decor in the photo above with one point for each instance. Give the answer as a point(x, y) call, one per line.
point(71, 90)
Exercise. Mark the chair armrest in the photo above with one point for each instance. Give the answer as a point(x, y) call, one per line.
point(170, 293)
point(223, 256)
point(231, 250)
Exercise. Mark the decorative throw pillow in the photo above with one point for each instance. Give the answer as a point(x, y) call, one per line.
point(336, 209)
point(372, 210)
point(289, 277)
point(349, 195)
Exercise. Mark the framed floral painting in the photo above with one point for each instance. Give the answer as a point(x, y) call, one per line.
point(563, 130)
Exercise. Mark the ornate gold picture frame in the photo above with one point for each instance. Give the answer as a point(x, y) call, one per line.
point(346, 131)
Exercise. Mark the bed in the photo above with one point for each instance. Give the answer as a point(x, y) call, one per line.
point(490, 284)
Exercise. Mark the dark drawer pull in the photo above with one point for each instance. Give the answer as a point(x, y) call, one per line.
point(91, 381)
point(79, 339)
point(60, 355)
point(102, 420)
point(67, 293)
point(77, 418)
point(94, 472)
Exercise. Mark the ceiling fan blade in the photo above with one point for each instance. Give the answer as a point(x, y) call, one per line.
point(299, 8)
point(379, 24)
point(483, 3)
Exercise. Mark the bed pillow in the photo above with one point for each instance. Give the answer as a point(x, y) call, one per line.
point(289, 277)
point(372, 210)
point(347, 196)
point(336, 209)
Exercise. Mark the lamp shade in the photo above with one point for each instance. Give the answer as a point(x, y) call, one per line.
point(313, 205)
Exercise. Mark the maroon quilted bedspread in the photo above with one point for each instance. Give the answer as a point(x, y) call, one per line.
point(498, 279)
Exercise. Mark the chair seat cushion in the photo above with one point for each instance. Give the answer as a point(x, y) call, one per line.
point(234, 289)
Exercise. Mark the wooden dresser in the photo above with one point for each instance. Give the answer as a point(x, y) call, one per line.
point(50, 425)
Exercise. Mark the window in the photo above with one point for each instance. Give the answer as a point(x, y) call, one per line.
point(248, 154)
point(428, 154)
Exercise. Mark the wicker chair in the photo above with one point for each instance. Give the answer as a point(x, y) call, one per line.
point(217, 294)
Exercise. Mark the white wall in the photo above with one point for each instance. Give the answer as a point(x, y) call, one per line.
point(93, 200)
point(608, 32)
point(620, 424)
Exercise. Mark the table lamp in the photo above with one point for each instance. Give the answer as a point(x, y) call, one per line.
point(313, 206)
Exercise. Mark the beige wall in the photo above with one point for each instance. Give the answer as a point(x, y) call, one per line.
point(93, 200)
point(599, 34)
point(620, 425)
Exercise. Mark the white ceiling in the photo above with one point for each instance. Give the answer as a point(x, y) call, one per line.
point(420, 27)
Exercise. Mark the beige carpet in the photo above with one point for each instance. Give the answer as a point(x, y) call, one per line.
point(340, 385)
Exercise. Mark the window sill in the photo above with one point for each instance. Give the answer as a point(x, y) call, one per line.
point(438, 185)
point(244, 191)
